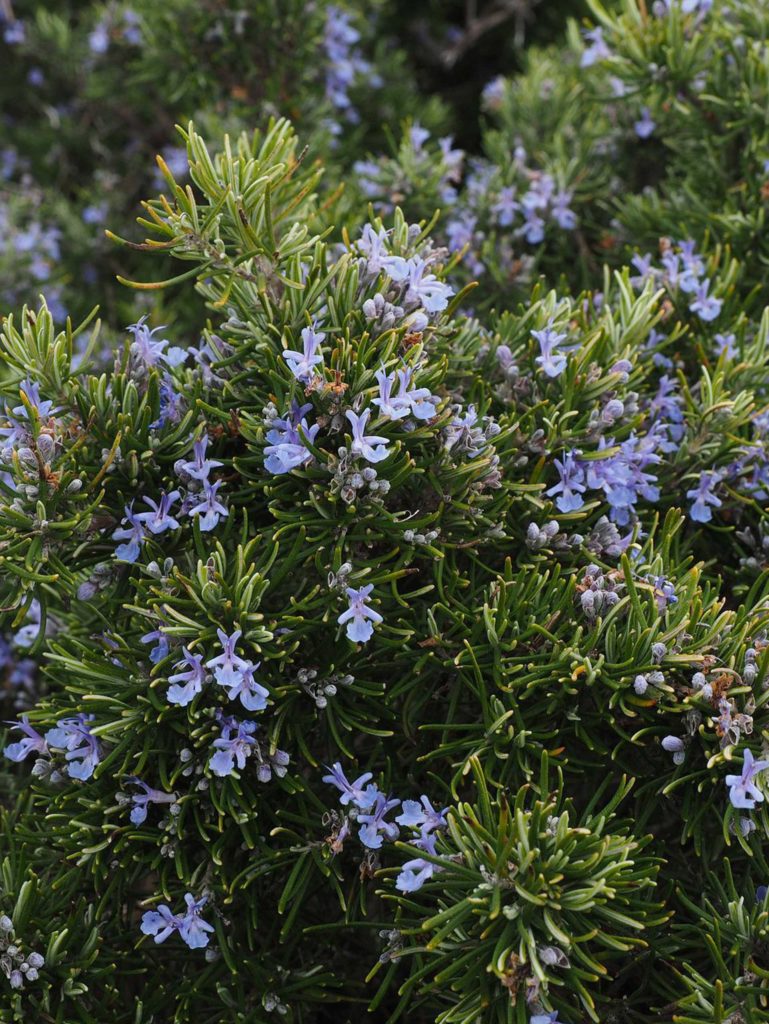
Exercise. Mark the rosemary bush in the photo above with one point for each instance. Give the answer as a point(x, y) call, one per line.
point(379, 642)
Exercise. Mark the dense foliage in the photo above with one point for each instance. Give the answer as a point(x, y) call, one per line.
point(385, 612)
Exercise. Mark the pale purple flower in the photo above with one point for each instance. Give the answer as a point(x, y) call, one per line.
point(228, 666)
point(743, 791)
point(533, 229)
point(646, 272)
point(32, 741)
point(493, 92)
point(352, 792)
point(374, 827)
point(725, 343)
point(422, 288)
point(393, 406)
point(302, 364)
point(372, 447)
point(359, 615)
point(192, 676)
point(707, 307)
point(210, 509)
point(419, 401)
point(373, 244)
point(664, 592)
point(171, 404)
point(551, 361)
point(31, 391)
point(83, 750)
point(418, 136)
point(14, 32)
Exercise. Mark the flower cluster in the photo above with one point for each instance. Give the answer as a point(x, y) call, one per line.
point(366, 806)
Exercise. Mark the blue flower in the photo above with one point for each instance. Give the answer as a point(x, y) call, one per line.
point(193, 676)
point(421, 814)
point(571, 485)
point(14, 33)
point(374, 828)
point(148, 350)
point(31, 391)
point(416, 872)
point(159, 519)
point(703, 497)
point(646, 272)
point(210, 509)
point(32, 742)
point(359, 615)
point(664, 592)
point(140, 801)
point(743, 792)
point(82, 747)
point(171, 404)
point(352, 792)
point(546, 1018)
point(133, 535)
point(253, 696)
point(199, 466)
point(707, 307)
point(372, 447)
point(505, 206)
point(597, 50)
point(235, 744)
point(286, 449)
point(161, 648)
point(191, 927)
point(160, 923)
point(302, 364)
point(561, 211)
